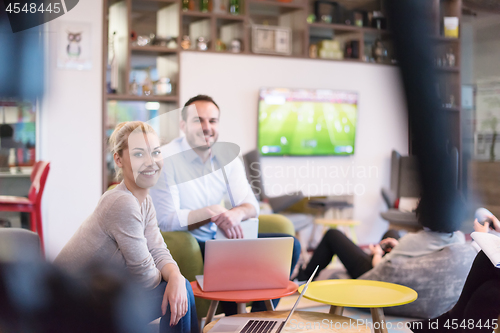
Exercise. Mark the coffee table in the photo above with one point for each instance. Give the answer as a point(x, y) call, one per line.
point(327, 322)
point(241, 297)
point(374, 295)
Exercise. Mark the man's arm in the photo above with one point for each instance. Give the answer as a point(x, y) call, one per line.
point(244, 198)
point(202, 216)
point(167, 205)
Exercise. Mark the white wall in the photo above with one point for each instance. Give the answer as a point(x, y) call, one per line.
point(70, 127)
point(234, 82)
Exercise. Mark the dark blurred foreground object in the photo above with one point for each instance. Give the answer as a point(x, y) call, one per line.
point(411, 32)
point(405, 183)
point(36, 297)
point(21, 61)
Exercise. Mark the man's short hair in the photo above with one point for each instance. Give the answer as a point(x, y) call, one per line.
point(197, 98)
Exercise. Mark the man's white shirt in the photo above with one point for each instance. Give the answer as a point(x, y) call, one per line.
point(187, 184)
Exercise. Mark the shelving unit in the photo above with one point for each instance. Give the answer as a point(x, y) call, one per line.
point(166, 18)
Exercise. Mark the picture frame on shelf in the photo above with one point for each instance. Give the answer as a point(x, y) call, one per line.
point(271, 40)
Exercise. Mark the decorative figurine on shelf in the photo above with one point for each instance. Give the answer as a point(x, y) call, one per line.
point(219, 6)
point(147, 86)
point(143, 40)
point(186, 42)
point(204, 6)
point(235, 46)
point(311, 18)
point(220, 46)
point(134, 88)
point(326, 18)
point(163, 86)
point(167, 41)
point(313, 51)
point(185, 5)
point(379, 51)
point(201, 44)
point(452, 101)
point(234, 7)
point(378, 20)
point(450, 57)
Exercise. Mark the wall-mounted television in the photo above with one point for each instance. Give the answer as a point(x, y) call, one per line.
point(306, 122)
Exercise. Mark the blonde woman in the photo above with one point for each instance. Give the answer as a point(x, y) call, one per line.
point(123, 230)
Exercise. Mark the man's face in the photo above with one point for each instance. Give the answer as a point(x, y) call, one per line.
point(202, 124)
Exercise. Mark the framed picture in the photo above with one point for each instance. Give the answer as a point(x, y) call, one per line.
point(271, 40)
point(74, 45)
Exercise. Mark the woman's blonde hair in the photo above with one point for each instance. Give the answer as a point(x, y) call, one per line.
point(118, 141)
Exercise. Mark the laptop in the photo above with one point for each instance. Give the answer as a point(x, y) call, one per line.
point(246, 264)
point(255, 324)
point(250, 229)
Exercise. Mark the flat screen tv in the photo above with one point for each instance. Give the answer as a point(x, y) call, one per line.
point(305, 122)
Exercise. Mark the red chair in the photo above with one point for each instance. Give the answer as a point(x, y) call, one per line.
point(31, 204)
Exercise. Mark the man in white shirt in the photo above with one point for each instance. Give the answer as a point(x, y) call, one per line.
point(189, 193)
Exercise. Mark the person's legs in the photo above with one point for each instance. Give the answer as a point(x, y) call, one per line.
point(480, 297)
point(483, 306)
point(334, 242)
point(187, 324)
point(482, 270)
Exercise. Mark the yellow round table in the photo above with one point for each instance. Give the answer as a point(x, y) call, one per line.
point(360, 294)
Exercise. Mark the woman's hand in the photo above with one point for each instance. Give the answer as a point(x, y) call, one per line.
point(392, 242)
point(481, 227)
point(176, 296)
point(230, 222)
point(495, 222)
point(376, 249)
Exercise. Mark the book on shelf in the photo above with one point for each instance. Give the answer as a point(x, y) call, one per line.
point(490, 244)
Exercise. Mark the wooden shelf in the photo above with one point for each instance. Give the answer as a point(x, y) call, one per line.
point(454, 109)
point(129, 15)
point(164, 1)
point(153, 49)
point(445, 39)
point(349, 28)
point(153, 98)
point(334, 26)
point(194, 13)
point(370, 30)
point(454, 69)
point(277, 4)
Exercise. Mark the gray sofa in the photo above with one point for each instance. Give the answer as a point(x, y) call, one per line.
point(438, 278)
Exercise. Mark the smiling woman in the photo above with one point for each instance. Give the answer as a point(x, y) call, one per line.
point(123, 230)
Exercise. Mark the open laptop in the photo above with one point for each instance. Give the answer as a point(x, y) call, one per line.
point(250, 229)
point(255, 324)
point(246, 264)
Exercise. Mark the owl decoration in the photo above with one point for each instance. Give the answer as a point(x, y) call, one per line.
point(74, 49)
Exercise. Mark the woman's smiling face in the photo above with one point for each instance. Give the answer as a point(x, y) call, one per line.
point(142, 159)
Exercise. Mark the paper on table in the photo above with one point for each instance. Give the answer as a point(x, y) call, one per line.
point(490, 244)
